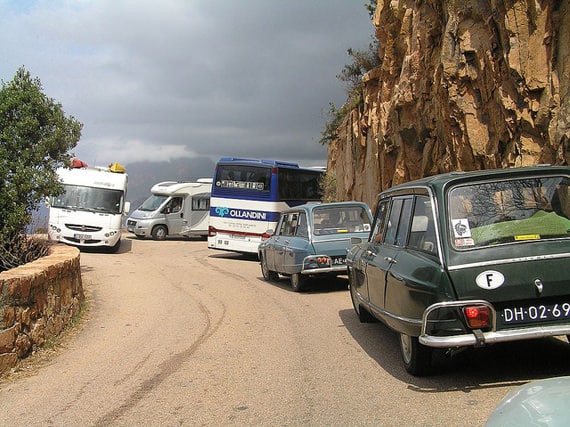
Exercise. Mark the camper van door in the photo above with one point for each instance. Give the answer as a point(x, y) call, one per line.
point(200, 213)
point(174, 214)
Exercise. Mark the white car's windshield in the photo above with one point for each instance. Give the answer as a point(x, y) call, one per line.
point(509, 211)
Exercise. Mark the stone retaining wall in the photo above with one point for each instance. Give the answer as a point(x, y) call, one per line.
point(37, 301)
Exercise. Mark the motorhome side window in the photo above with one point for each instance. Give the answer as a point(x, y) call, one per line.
point(200, 203)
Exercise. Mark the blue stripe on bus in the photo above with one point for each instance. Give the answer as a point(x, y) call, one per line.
point(234, 213)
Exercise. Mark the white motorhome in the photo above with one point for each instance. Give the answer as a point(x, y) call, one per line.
point(173, 209)
point(89, 213)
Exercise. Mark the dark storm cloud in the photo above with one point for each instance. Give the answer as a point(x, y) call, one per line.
point(189, 78)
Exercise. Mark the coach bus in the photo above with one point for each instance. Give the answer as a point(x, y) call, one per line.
point(248, 196)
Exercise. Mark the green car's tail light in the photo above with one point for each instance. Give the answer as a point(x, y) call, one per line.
point(477, 316)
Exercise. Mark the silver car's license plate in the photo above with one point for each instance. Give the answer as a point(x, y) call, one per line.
point(535, 313)
point(338, 260)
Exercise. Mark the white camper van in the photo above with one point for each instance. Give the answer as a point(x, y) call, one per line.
point(89, 213)
point(173, 209)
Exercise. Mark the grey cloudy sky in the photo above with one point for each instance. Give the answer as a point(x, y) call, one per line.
point(157, 80)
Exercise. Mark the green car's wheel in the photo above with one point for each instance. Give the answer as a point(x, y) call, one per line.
point(416, 356)
point(363, 315)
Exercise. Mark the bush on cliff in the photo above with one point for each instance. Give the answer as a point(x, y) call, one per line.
point(35, 139)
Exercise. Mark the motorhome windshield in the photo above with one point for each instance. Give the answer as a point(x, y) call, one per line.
point(92, 199)
point(152, 203)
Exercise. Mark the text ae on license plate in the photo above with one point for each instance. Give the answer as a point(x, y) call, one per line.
point(338, 260)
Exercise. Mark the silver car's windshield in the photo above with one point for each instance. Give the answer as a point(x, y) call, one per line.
point(509, 211)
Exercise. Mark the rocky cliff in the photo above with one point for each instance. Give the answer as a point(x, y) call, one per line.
point(462, 85)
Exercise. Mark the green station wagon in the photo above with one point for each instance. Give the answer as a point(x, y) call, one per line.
point(467, 259)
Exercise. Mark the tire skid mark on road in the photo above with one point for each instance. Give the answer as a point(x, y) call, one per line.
point(219, 269)
point(305, 374)
point(165, 369)
point(133, 371)
point(70, 404)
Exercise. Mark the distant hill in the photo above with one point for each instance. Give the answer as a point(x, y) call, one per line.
point(143, 175)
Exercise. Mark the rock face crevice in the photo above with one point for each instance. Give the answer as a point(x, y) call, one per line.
point(462, 85)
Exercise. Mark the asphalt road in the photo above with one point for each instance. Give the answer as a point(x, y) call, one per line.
point(179, 334)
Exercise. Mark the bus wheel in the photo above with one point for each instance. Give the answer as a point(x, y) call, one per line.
point(298, 282)
point(159, 232)
point(268, 275)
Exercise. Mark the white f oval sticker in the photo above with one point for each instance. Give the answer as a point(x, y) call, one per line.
point(490, 279)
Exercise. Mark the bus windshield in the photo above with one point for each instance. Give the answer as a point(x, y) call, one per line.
point(241, 177)
point(93, 199)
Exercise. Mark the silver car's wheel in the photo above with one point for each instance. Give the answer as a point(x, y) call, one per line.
point(298, 281)
point(267, 273)
point(416, 357)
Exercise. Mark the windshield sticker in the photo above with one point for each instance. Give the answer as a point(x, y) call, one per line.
point(490, 279)
point(527, 237)
point(461, 228)
point(464, 242)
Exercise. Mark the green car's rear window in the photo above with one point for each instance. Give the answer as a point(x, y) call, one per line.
point(508, 211)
